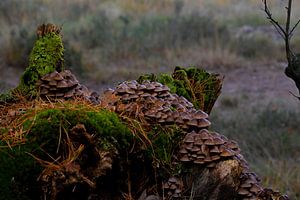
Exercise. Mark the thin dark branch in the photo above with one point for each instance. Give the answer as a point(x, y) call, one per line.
point(278, 30)
point(273, 22)
point(293, 29)
point(287, 30)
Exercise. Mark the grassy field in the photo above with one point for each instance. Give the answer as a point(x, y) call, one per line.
point(113, 40)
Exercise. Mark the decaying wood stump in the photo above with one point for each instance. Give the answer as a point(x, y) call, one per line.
point(138, 141)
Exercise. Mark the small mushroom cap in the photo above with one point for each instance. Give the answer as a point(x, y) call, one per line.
point(69, 94)
point(183, 151)
point(207, 159)
point(173, 180)
point(243, 191)
point(53, 83)
point(218, 141)
point(203, 123)
point(177, 191)
point(46, 78)
point(200, 114)
point(189, 139)
point(214, 149)
point(199, 161)
point(56, 76)
point(185, 158)
point(204, 135)
point(255, 188)
point(149, 86)
point(209, 141)
point(227, 153)
point(192, 122)
point(71, 83)
point(195, 149)
point(215, 157)
point(246, 185)
point(198, 141)
point(62, 84)
point(132, 85)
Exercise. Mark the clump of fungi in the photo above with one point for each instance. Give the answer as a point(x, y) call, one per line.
point(141, 140)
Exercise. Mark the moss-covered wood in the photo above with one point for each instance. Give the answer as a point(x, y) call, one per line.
point(114, 150)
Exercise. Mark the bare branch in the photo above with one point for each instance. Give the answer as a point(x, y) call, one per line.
point(293, 29)
point(275, 23)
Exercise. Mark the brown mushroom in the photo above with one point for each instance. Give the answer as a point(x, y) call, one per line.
point(243, 191)
point(62, 84)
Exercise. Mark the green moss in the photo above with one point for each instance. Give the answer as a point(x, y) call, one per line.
point(164, 142)
point(45, 127)
point(46, 57)
point(18, 173)
point(49, 123)
point(196, 85)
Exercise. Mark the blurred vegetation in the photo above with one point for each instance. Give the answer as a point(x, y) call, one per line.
point(139, 34)
point(268, 134)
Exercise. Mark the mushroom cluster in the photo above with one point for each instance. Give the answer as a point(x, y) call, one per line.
point(61, 85)
point(250, 186)
point(267, 193)
point(154, 102)
point(173, 188)
point(205, 147)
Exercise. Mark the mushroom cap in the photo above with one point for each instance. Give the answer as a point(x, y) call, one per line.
point(246, 185)
point(62, 84)
point(243, 191)
point(203, 123)
point(200, 115)
point(173, 179)
point(209, 141)
point(199, 161)
point(183, 150)
point(218, 141)
point(204, 134)
point(149, 86)
point(185, 158)
point(214, 149)
point(46, 78)
point(195, 149)
point(188, 139)
point(215, 157)
point(45, 85)
point(227, 153)
point(192, 122)
point(255, 188)
point(56, 76)
point(53, 83)
point(69, 94)
point(71, 83)
point(133, 85)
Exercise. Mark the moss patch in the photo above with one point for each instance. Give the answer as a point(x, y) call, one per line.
point(46, 127)
point(46, 57)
